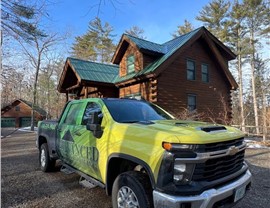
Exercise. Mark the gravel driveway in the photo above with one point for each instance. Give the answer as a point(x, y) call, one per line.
point(24, 185)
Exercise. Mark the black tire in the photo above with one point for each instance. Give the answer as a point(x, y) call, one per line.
point(46, 163)
point(136, 182)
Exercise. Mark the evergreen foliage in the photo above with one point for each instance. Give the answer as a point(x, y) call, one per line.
point(183, 29)
point(97, 44)
point(18, 19)
point(243, 26)
point(215, 18)
point(135, 31)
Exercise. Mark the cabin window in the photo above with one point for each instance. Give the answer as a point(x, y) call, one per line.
point(130, 64)
point(190, 70)
point(17, 108)
point(205, 73)
point(136, 96)
point(192, 100)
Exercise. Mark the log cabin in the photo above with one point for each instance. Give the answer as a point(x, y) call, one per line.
point(187, 74)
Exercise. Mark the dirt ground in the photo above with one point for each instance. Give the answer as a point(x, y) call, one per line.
point(24, 185)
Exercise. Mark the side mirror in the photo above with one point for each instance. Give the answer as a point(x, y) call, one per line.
point(94, 126)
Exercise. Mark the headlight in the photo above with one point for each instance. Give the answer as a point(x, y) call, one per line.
point(182, 172)
point(173, 146)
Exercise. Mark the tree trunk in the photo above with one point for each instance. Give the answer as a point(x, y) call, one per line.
point(264, 101)
point(48, 98)
point(34, 103)
point(240, 83)
point(35, 93)
point(255, 106)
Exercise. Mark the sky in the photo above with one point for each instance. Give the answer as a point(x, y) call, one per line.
point(158, 18)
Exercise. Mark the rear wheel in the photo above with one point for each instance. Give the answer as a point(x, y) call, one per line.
point(132, 190)
point(46, 163)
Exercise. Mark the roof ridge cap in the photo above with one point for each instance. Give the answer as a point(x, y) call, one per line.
point(180, 36)
point(94, 62)
point(142, 39)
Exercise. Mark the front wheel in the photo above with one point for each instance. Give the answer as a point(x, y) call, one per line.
point(46, 163)
point(132, 190)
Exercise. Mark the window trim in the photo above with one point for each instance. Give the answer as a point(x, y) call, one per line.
point(202, 73)
point(191, 70)
point(188, 106)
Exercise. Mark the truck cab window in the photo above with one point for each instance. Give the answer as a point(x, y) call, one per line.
point(73, 114)
point(91, 108)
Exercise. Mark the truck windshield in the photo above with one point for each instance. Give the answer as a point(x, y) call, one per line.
point(132, 111)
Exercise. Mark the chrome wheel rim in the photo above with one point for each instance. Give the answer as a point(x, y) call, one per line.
point(126, 198)
point(42, 158)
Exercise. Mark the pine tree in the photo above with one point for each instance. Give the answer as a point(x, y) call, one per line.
point(84, 48)
point(183, 29)
point(215, 18)
point(239, 44)
point(256, 23)
point(96, 44)
point(136, 32)
point(18, 19)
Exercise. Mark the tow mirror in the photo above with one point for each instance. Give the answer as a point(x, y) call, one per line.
point(94, 126)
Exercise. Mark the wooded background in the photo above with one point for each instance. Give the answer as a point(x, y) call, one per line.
point(32, 58)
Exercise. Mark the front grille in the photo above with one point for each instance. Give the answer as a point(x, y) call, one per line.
point(219, 145)
point(217, 168)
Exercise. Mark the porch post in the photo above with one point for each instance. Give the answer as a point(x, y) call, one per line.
point(85, 92)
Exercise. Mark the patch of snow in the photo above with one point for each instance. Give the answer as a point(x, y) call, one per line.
point(253, 143)
point(28, 129)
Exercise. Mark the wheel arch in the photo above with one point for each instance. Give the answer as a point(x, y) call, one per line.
point(114, 169)
point(51, 145)
point(41, 139)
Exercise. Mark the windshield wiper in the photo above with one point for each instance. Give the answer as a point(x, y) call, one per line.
point(145, 122)
point(131, 121)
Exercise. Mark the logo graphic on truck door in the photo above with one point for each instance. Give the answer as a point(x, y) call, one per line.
point(68, 136)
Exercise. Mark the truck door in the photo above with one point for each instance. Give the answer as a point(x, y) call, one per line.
point(78, 145)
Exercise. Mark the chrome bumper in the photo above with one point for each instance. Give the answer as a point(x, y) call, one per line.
point(205, 200)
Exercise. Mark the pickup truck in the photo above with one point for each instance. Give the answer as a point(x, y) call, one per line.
point(143, 157)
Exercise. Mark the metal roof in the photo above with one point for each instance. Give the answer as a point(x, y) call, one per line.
point(168, 49)
point(147, 45)
point(109, 73)
point(92, 71)
point(36, 108)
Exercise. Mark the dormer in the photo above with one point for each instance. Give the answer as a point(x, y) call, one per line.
point(134, 54)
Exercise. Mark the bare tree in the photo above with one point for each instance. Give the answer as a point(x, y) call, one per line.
point(48, 96)
point(35, 51)
point(13, 84)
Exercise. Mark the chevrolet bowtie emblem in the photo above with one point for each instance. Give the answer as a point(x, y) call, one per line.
point(233, 150)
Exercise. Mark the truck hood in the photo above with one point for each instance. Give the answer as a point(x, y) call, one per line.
point(189, 132)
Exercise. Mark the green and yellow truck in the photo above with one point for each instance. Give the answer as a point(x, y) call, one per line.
point(143, 157)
